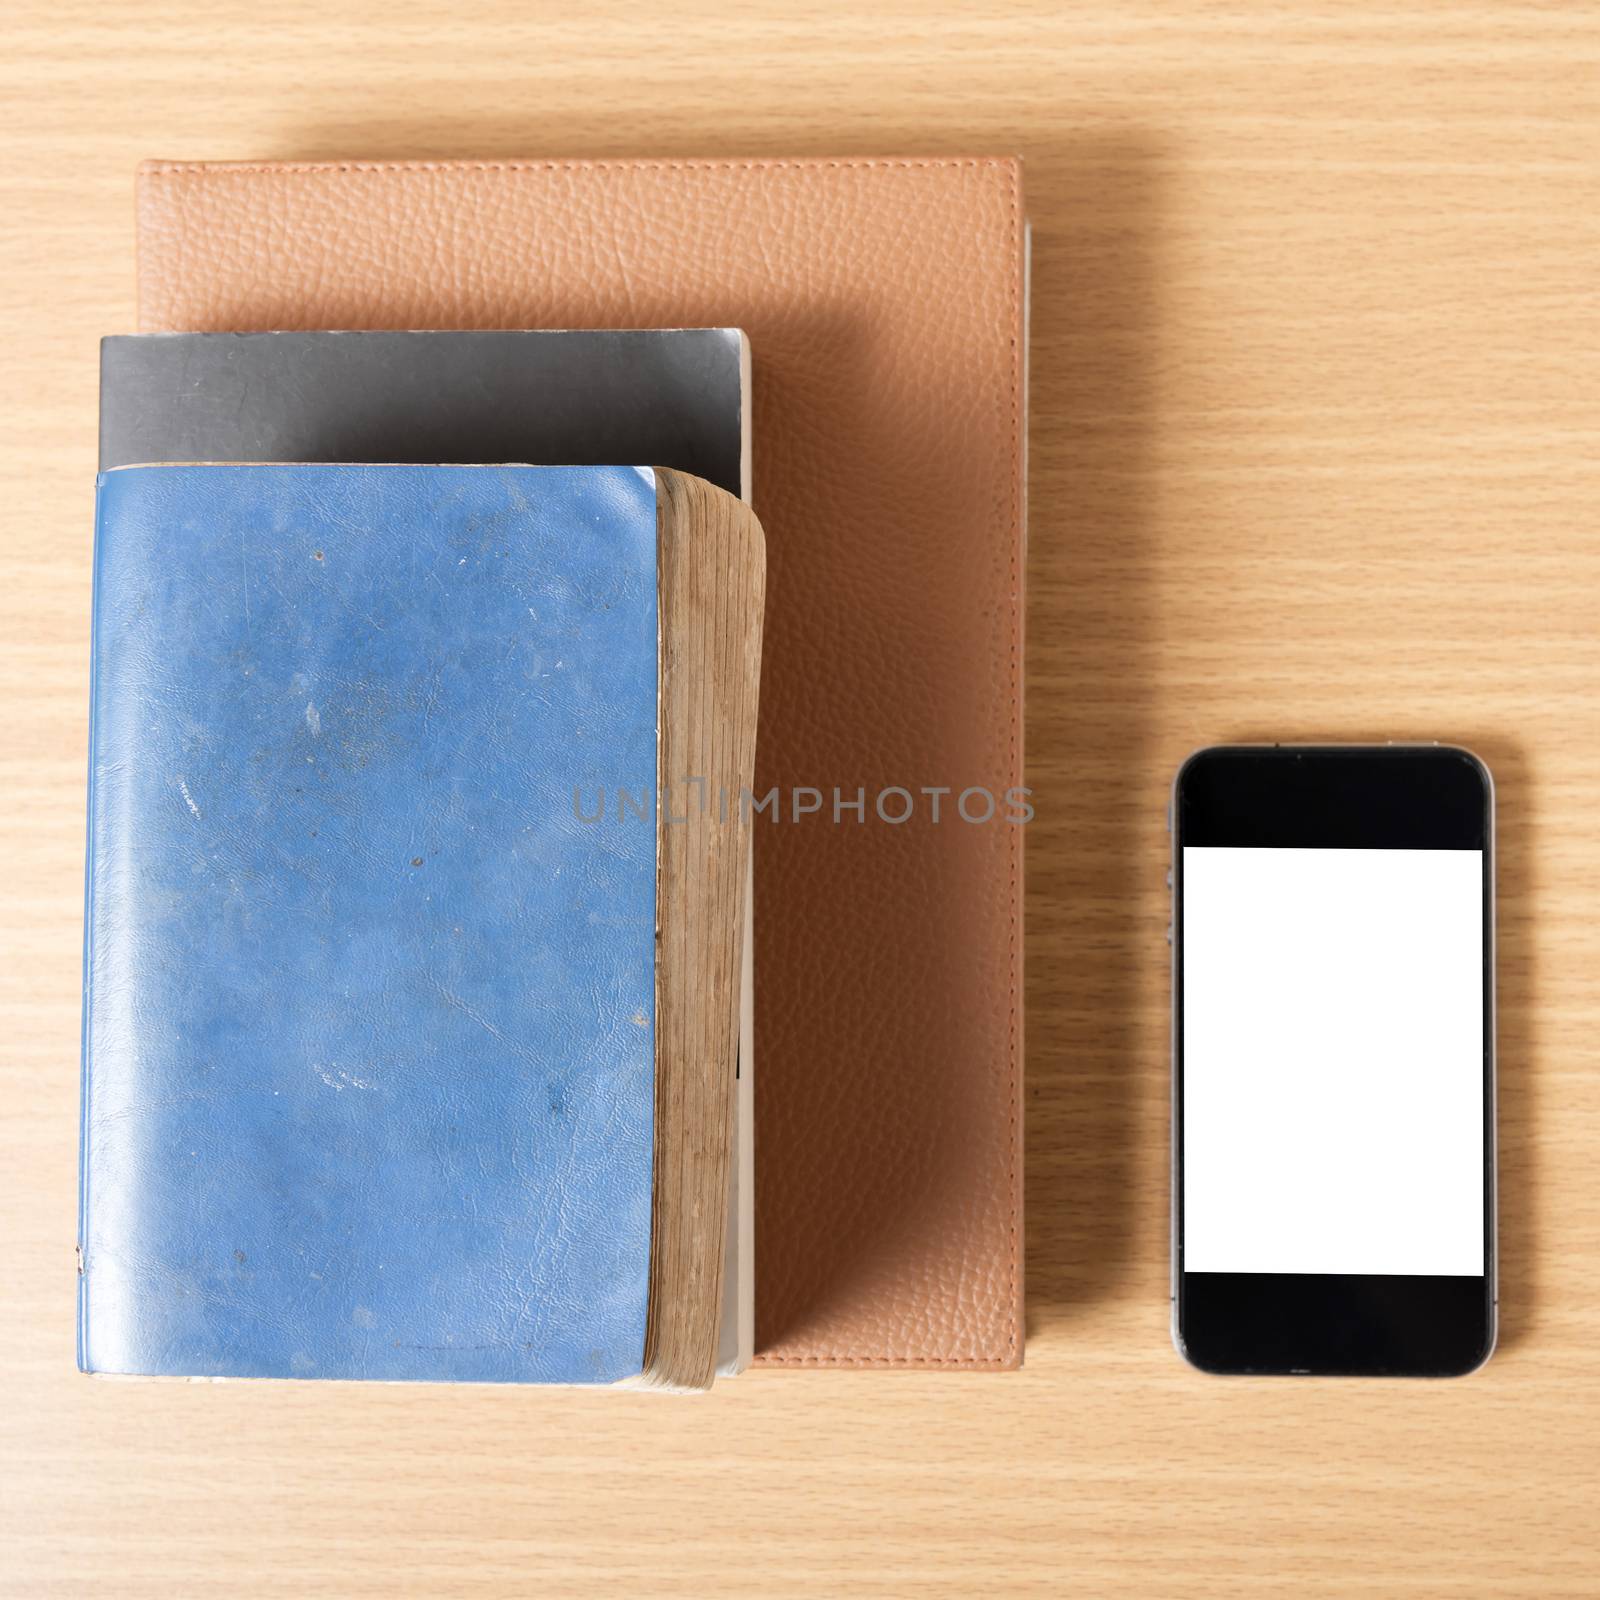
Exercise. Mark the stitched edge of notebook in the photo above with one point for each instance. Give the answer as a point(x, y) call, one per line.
point(1014, 1310)
point(169, 169)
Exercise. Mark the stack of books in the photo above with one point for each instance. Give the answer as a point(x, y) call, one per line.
point(430, 1030)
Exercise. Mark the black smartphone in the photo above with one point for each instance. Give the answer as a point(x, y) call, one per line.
point(1333, 1060)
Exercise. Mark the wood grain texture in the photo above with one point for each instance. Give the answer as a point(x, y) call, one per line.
point(1314, 454)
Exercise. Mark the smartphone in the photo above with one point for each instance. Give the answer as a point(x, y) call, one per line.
point(1333, 1060)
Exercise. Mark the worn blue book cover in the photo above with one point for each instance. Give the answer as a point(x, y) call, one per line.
point(369, 1012)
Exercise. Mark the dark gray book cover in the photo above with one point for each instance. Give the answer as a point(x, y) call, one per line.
point(675, 397)
point(670, 397)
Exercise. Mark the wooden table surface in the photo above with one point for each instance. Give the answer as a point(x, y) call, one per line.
point(1316, 424)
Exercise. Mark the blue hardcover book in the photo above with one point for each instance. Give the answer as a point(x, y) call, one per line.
point(401, 1055)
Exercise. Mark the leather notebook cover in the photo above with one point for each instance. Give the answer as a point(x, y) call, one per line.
point(885, 305)
point(324, 804)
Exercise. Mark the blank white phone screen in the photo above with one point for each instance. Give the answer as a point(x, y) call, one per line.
point(1333, 1083)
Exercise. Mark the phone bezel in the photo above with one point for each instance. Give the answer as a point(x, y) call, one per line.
point(1335, 796)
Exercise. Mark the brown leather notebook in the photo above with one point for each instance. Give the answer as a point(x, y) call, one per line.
point(885, 301)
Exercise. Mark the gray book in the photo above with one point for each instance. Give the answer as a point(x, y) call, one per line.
point(673, 397)
point(664, 397)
